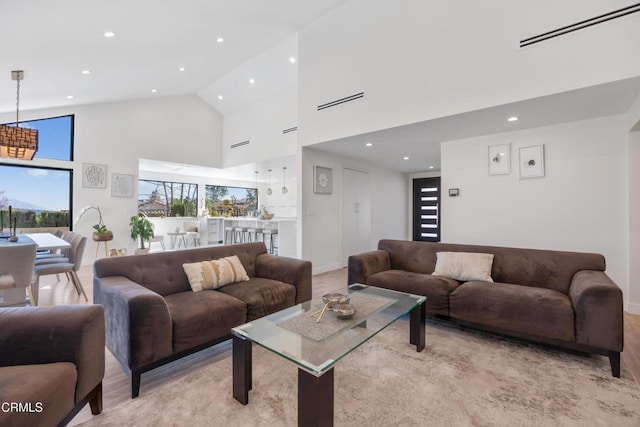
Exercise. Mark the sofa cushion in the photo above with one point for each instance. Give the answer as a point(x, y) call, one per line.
point(204, 316)
point(215, 273)
point(262, 296)
point(464, 266)
point(524, 309)
point(53, 385)
point(435, 288)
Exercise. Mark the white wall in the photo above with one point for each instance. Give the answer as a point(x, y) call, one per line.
point(417, 60)
point(262, 124)
point(179, 129)
point(634, 222)
point(581, 204)
point(321, 213)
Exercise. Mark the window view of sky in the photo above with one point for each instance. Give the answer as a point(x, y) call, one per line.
point(34, 188)
point(54, 137)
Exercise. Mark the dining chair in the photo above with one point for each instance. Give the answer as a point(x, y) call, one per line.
point(16, 270)
point(71, 267)
point(191, 233)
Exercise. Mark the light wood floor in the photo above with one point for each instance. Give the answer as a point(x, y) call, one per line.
point(117, 385)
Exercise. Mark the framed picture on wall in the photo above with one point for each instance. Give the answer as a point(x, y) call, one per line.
point(532, 161)
point(322, 180)
point(499, 159)
point(121, 185)
point(94, 175)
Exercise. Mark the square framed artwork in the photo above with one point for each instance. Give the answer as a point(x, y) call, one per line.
point(121, 185)
point(499, 159)
point(94, 175)
point(322, 180)
point(532, 161)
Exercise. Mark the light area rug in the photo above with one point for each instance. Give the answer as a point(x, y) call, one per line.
point(461, 378)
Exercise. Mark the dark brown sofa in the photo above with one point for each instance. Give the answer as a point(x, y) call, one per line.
point(153, 317)
point(51, 363)
point(558, 298)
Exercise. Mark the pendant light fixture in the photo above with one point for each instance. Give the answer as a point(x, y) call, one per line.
point(17, 142)
point(285, 190)
point(269, 190)
point(257, 191)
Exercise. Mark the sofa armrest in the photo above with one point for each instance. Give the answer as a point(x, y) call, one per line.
point(293, 271)
point(138, 324)
point(366, 264)
point(64, 333)
point(598, 306)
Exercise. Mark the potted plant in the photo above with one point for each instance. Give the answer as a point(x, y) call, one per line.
point(101, 233)
point(142, 229)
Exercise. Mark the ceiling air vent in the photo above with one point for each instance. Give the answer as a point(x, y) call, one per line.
point(293, 129)
point(240, 144)
point(581, 25)
point(341, 101)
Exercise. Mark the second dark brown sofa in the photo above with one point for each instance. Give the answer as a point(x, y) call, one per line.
point(153, 317)
point(553, 297)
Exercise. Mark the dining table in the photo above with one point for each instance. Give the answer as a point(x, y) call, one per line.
point(48, 241)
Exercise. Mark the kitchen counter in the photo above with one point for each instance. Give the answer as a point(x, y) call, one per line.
point(286, 242)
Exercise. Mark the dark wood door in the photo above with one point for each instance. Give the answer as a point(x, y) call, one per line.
point(426, 209)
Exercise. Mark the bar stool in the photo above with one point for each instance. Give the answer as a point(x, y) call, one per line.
point(252, 235)
point(228, 235)
point(270, 233)
point(239, 234)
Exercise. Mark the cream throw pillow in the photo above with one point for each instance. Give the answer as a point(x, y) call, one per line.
point(215, 273)
point(464, 266)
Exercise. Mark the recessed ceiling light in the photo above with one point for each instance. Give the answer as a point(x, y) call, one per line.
point(69, 96)
point(512, 119)
point(431, 167)
point(220, 40)
point(252, 81)
point(181, 69)
point(109, 34)
point(86, 71)
point(154, 90)
point(405, 158)
point(220, 97)
point(369, 144)
point(292, 60)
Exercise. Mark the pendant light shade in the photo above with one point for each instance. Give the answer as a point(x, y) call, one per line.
point(269, 190)
point(17, 142)
point(285, 190)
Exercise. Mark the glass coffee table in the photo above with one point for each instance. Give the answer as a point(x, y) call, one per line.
point(316, 346)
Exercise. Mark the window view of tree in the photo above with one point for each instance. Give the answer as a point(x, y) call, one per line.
point(164, 198)
point(39, 197)
point(231, 201)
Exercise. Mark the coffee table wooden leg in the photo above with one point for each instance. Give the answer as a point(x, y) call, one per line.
point(417, 329)
point(241, 369)
point(315, 399)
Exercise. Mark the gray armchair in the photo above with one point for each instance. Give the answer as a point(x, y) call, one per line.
point(51, 363)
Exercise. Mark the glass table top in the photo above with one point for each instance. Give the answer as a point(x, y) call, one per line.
point(294, 333)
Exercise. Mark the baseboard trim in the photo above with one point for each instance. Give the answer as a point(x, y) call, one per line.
point(325, 268)
point(633, 308)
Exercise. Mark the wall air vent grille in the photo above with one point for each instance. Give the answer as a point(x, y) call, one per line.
point(581, 25)
point(240, 144)
point(293, 129)
point(341, 101)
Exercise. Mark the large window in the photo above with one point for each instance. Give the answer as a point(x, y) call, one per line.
point(165, 198)
point(55, 137)
point(39, 197)
point(231, 201)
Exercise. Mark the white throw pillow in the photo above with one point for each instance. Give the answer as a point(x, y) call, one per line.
point(464, 266)
point(213, 274)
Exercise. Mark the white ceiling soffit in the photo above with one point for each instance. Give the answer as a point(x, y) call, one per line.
point(271, 69)
point(421, 141)
point(54, 41)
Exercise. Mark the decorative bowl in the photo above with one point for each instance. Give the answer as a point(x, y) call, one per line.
point(335, 298)
point(344, 311)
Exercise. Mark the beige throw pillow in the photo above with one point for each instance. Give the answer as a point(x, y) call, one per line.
point(464, 266)
point(215, 273)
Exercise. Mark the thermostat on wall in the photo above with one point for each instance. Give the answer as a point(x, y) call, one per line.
point(454, 192)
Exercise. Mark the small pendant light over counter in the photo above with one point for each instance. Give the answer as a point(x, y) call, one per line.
point(257, 191)
point(269, 190)
point(285, 190)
